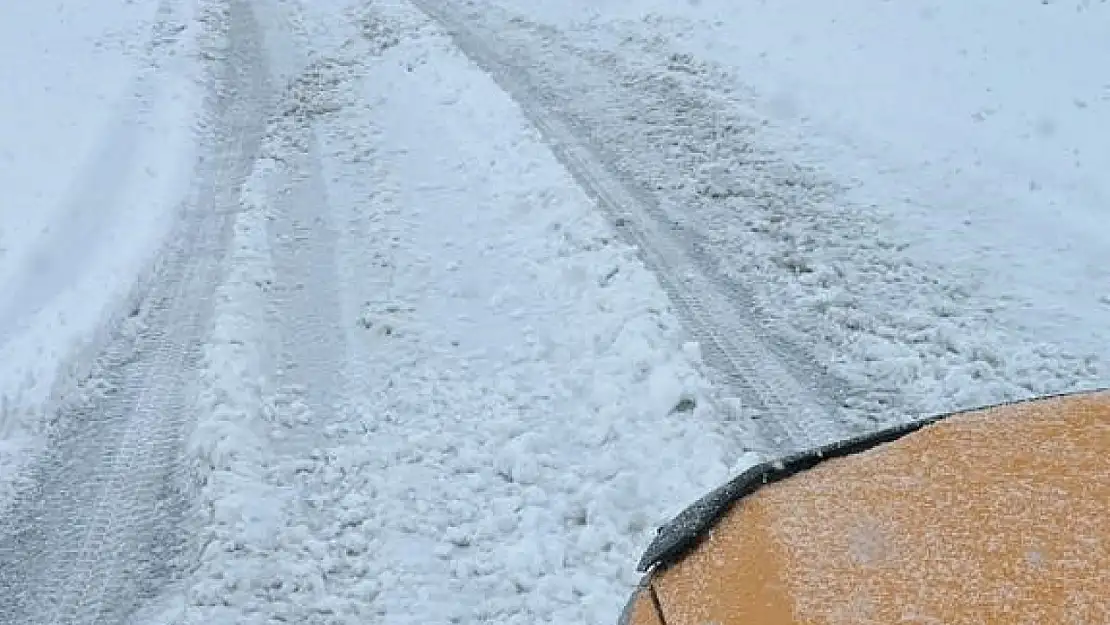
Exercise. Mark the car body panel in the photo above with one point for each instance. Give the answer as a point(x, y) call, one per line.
point(996, 515)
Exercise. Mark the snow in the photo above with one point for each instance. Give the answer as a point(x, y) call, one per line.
point(505, 408)
point(991, 116)
point(438, 386)
point(93, 146)
point(924, 207)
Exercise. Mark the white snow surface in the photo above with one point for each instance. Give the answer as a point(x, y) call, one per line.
point(936, 222)
point(979, 128)
point(439, 389)
point(97, 115)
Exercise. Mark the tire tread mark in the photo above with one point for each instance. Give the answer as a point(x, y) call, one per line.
point(99, 527)
point(731, 340)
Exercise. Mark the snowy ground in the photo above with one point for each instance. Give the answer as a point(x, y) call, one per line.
point(96, 144)
point(911, 192)
point(363, 316)
point(433, 385)
point(470, 406)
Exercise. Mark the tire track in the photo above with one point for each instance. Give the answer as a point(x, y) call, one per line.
point(790, 408)
point(302, 234)
point(98, 530)
point(306, 301)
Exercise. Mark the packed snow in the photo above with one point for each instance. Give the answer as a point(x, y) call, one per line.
point(429, 380)
point(97, 138)
point(911, 191)
point(505, 409)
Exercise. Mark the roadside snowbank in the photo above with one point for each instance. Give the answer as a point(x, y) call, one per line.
point(514, 411)
point(97, 119)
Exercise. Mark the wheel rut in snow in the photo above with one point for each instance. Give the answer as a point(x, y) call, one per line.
point(791, 406)
point(303, 237)
point(98, 529)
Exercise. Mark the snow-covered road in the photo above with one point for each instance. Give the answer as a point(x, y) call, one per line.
point(430, 311)
point(470, 403)
point(97, 522)
point(391, 364)
point(98, 116)
point(922, 285)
